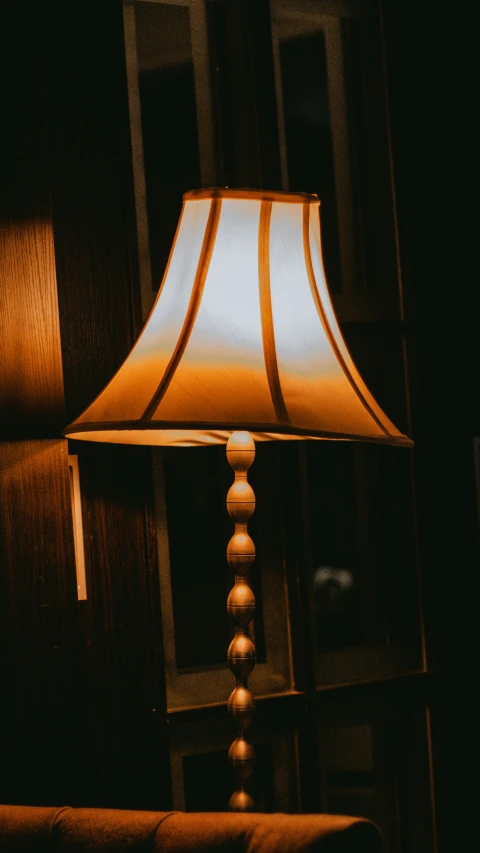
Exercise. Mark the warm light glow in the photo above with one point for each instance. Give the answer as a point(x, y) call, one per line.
point(243, 335)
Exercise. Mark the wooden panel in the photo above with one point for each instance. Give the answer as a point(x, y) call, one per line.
point(31, 386)
point(124, 701)
point(40, 715)
point(82, 717)
point(92, 196)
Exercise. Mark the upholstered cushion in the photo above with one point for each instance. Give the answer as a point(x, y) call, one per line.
point(66, 830)
point(25, 828)
point(261, 833)
point(106, 830)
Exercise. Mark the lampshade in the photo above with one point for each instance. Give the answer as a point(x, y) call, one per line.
point(243, 335)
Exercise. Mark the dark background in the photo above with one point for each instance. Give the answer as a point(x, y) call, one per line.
point(83, 697)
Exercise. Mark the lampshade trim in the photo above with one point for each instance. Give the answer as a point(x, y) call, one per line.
point(268, 334)
point(210, 426)
point(257, 195)
point(193, 306)
point(326, 325)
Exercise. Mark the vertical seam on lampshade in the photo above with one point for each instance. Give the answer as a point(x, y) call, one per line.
point(324, 319)
point(193, 306)
point(268, 333)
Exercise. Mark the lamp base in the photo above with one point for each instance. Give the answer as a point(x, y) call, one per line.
point(241, 607)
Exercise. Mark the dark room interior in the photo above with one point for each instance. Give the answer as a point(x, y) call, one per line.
point(113, 577)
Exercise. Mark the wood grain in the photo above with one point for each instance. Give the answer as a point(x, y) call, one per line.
point(40, 712)
point(125, 705)
point(31, 384)
point(92, 199)
point(82, 717)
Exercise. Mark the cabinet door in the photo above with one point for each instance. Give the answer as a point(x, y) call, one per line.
point(286, 95)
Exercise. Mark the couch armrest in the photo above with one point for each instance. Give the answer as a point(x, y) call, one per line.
point(266, 833)
point(30, 829)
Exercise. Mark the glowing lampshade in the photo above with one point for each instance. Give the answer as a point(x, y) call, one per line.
point(242, 335)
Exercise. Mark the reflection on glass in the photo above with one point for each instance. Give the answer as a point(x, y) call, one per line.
point(361, 540)
point(169, 121)
point(216, 768)
point(334, 591)
point(333, 526)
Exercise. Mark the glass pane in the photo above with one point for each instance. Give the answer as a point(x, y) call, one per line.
point(334, 138)
point(202, 777)
point(369, 154)
point(333, 526)
point(199, 528)
point(374, 762)
point(243, 87)
point(198, 534)
point(361, 541)
point(308, 134)
point(209, 781)
point(169, 120)
point(362, 546)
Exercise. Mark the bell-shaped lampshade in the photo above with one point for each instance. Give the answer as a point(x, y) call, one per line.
point(242, 335)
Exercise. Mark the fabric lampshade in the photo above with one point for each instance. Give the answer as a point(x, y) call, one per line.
point(242, 335)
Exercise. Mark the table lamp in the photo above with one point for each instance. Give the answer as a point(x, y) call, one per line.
point(241, 345)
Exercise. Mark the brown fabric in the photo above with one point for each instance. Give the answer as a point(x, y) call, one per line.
point(30, 828)
point(261, 833)
point(25, 829)
point(106, 830)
